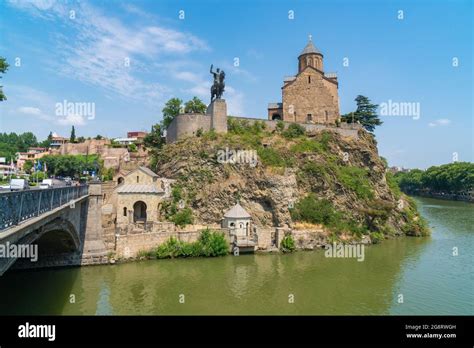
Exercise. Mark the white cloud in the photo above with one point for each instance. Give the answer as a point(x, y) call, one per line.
point(72, 120)
point(440, 122)
point(29, 110)
point(235, 102)
point(35, 112)
point(102, 45)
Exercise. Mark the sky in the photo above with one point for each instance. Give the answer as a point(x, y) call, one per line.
point(125, 59)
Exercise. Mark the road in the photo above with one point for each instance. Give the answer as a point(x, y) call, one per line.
point(56, 183)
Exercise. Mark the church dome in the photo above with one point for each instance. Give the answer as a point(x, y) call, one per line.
point(310, 48)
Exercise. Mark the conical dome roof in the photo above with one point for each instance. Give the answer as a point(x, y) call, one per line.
point(237, 212)
point(310, 48)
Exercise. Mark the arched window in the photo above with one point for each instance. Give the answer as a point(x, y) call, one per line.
point(139, 212)
point(124, 211)
point(276, 116)
point(232, 225)
point(138, 179)
point(309, 78)
point(120, 180)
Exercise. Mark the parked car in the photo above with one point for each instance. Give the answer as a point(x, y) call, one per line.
point(44, 186)
point(19, 184)
point(48, 182)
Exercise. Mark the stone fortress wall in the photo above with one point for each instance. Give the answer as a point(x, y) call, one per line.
point(186, 125)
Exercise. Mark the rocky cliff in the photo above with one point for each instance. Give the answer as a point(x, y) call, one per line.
point(288, 177)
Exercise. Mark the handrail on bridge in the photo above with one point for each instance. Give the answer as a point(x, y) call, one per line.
point(18, 206)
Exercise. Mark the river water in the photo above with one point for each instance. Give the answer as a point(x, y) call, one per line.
point(423, 271)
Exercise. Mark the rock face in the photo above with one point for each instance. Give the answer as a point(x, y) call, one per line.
point(346, 172)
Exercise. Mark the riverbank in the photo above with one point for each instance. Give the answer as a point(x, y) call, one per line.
point(463, 197)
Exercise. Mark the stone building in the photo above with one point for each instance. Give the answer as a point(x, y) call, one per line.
point(138, 197)
point(311, 96)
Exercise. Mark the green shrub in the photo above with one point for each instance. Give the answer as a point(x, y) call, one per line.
point(393, 185)
point(177, 193)
point(270, 157)
point(213, 243)
point(280, 126)
point(287, 244)
point(294, 130)
point(183, 217)
point(355, 179)
point(416, 227)
point(315, 211)
point(209, 244)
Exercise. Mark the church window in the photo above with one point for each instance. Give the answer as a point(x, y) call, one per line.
point(124, 211)
point(309, 117)
point(309, 79)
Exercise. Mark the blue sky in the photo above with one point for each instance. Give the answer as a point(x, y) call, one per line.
point(84, 59)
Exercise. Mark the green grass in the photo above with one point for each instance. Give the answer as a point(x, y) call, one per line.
point(355, 179)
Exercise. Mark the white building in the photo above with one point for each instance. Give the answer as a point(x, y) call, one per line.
point(238, 221)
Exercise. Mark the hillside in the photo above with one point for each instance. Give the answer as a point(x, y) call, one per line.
point(316, 179)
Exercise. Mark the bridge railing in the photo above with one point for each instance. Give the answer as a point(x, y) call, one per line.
point(19, 206)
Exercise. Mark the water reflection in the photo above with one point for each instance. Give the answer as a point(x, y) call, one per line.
point(422, 269)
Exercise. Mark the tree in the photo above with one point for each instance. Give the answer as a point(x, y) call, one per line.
point(81, 139)
point(3, 68)
point(47, 143)
point(72, 138)
point(365, 114)
point(170, 111)
point(27, 166)
point(98, 137)
point(195, 106)
point(154, 138)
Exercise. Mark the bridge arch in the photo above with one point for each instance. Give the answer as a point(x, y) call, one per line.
point(58, 236)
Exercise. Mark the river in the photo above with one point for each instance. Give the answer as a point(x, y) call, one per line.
point(424, 271)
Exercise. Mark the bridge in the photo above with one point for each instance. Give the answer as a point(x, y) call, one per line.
point(62, 224)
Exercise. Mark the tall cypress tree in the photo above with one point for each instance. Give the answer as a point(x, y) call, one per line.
point(72, 139)
point(365, 114)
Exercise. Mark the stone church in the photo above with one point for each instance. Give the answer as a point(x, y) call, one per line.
point(311, 96)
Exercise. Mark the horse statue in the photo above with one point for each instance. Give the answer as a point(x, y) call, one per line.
point(218, 86)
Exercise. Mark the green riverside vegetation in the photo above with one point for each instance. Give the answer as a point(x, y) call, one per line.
point(209, 244)
point(450, 178)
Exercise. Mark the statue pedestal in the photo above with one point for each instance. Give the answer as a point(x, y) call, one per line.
point(218, 112)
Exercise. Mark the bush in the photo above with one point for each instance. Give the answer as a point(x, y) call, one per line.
point(209, 244)
point(213, 243)
point(294, 130)
point(356, 179)
point(287, 244)
point(315, 211)
point(280, 126)
point(393, 185)
point(271, 157)
point(183, 217)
